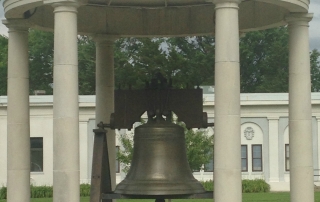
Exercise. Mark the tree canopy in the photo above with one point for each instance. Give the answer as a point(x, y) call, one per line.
point(264, 61)
point(3, 64)
point(188, 61)
point(41, 61)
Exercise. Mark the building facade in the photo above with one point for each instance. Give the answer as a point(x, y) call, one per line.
point(264, 138)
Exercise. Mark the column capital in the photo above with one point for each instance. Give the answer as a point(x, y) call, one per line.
point(227, 4)
point(17, 24)
point(104, 38)
point(242, 34)
point(299, 18)
point(273, 118)
point(55, 3)
point(226, 1)
point(65, 6)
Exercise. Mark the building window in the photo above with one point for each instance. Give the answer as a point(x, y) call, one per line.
point(117, 161)
point(36, 154)
point(209, 166)
point(244, 158)
point(287, 157)
point(257, 157)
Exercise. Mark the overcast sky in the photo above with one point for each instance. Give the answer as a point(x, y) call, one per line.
point(314, 24)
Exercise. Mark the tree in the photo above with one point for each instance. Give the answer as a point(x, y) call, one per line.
point(315, 70)
point(41, 48)
point(125, 154)
point(199, 148)
point(41, 61)
point(264, 61)
point(188, 61)
point(191, 60)
point(86, 65)
point(3, 64)
point(141, 58)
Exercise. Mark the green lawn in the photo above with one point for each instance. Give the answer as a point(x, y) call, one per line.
point(273, 197)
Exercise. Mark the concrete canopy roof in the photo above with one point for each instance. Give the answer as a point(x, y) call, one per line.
point(144, 18)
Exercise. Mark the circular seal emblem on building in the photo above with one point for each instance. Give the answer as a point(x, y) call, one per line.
point(249, 133)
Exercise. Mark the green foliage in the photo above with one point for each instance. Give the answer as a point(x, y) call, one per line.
point(315, 70)
point(41, 191)
point(186, 60)
point(246, 197)
point(41, 61)
point(125, 154)
point(86, 65)
point(208, 185)
point(264, 61)
point(46, 191)
point(126, 52)
point(199, 148)
point(3, 64)
point(255, 186)
point(191, 60)
point(85, 190)
point(248, 186)
point(3, 192)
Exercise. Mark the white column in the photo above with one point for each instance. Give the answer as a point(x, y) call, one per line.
point(300, 131)
point(66, 175)
point(227, 147)
point(18, 122)
point(105, 93)
point(274, 149)
point(318, 145)
point(84, 160)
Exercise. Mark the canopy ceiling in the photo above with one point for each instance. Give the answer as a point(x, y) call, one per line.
point(147, 18)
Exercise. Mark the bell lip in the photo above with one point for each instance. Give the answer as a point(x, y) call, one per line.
point(166, 196)
point(157, 188)
point(159, 194)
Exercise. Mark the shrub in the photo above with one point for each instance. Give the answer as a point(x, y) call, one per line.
point(208, 185)
point(3, 193)
point(46, 191)
point(41, 191)
point(85, 190)
point(255, 186)
point(248, 186)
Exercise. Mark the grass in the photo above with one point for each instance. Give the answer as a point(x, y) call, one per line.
point(247, 197)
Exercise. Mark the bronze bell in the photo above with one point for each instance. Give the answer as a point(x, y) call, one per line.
point(159, 165)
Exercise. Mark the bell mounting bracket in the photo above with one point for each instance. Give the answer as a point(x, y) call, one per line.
point(158, 98)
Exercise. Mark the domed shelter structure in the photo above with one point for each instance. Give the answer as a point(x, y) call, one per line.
point(106, 20)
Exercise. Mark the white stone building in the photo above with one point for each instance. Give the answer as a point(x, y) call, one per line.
point(264, 138)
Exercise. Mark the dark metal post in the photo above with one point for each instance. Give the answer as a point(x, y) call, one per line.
point(101, 177)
